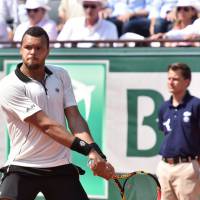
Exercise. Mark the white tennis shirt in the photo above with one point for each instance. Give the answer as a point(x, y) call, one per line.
point(21, 97)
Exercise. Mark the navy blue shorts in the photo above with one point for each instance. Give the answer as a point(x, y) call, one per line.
point(58, 186)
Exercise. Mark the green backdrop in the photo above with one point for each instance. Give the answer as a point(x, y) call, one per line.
point(92, 68)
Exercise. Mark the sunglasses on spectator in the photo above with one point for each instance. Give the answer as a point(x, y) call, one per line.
point(33, 10)
point(186, 9)
point(92, 6)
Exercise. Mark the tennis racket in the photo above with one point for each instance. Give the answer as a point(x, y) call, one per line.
point(138, 185)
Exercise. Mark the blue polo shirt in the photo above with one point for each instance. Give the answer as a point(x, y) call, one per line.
point(181, 127)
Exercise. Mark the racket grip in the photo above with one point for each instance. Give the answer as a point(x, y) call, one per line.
point(158, 194)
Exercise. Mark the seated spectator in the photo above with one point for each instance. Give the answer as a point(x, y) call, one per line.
point(68, 9)
point(88, 27)
point(162, 15)
point(186, 14)
point(37, 11)
point(9, 14)
point(129, 16)
point(193, 29)
point(22, 13)
point(4, 31)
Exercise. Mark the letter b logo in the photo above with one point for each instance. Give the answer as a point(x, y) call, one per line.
point(144, 136)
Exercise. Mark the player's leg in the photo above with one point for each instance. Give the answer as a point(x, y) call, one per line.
point(17, 187)
point(63, 187)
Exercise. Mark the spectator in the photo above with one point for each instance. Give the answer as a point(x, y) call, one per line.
point(22, 13)
point(37, 11)
point(9, 14)
point(139, 21)
point(186, 13)
point(89, 27)
point(3, 32)
point(193, 29)
point(162, 15)
point(129, 16)
point(68, 9)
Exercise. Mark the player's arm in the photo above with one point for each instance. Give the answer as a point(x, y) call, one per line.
point(77, 124)
point(59, 133)
point(51, 128)
point(80, 129)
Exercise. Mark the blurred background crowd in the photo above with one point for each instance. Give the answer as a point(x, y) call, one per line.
point(79, 20)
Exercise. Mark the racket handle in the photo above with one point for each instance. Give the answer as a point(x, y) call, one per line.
point(158, 194)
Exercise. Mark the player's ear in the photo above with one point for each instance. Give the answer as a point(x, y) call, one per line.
point(187, 82)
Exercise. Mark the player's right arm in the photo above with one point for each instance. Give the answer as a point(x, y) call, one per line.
point(51, 128)
point(60, 134)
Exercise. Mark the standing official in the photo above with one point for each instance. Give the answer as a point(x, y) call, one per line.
point(179, 119)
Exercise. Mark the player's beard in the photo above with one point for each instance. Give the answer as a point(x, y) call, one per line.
point(33, 66)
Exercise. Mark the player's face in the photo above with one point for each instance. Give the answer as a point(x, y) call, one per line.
point(176, 82)
point(34, 51)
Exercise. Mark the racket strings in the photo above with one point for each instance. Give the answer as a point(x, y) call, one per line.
point(141, 186)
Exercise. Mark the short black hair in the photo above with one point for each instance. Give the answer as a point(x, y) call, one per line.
point(184, 68)
point(36, 31)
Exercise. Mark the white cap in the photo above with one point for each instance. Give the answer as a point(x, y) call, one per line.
point(189, 3)
point(33, 4)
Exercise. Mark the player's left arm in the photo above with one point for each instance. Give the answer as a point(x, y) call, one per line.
point(77, 124)
point(80, 129)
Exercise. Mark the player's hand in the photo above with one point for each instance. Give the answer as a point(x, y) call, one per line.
point(100, 166)
point(103, 169)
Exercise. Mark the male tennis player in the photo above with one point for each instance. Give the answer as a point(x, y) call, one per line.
point(179, 119)
point(35, 99)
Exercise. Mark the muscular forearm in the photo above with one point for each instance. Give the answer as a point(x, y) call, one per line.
point(78, 125)
point(80, 129)
point(51, 128)
point(58, 133)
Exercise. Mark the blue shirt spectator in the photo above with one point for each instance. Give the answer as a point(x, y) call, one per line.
point(120, 7)
point(3, 32)
point(130, 16)
point(162, 15)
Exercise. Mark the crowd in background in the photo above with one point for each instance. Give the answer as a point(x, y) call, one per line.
point(103, 20)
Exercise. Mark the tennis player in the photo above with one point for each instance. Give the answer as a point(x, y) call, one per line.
point(35, 100)
point(179, 119)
